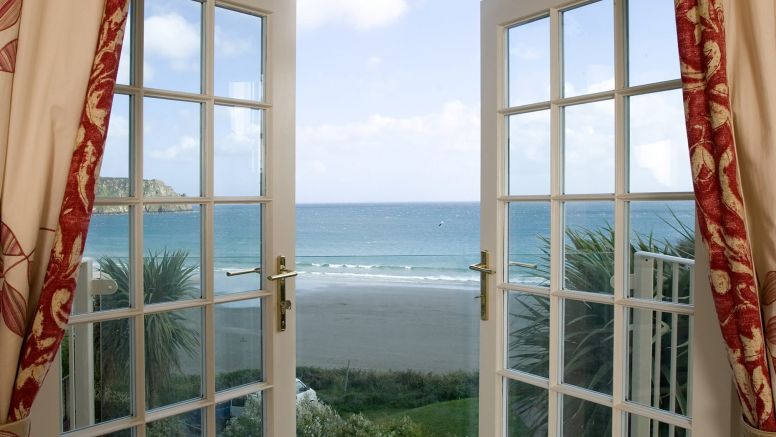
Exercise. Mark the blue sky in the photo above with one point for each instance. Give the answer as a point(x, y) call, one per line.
point(388, 101)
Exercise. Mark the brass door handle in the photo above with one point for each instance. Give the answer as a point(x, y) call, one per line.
point(282, 275)
point(484, 270)
point(284, 305)
point(244, 272)
point(522, 264)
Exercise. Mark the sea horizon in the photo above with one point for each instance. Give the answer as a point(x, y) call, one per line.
point(424, 242)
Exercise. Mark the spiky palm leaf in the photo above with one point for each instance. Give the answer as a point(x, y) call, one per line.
point(588, 327)
point(168, 336)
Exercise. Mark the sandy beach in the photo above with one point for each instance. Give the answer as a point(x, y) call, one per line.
point(387, 325)
point(376, 325)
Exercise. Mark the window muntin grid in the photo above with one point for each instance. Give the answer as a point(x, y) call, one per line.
point(135, 202)
point(624, 415)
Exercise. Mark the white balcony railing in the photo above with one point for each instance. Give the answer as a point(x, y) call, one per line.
point(669, 279)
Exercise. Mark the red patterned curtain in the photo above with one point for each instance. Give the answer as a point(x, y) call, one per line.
point(727, 49)
point(58, 67)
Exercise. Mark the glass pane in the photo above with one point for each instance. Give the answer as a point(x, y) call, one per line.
point(114, 180)
point(237, 246)
point(529, 333)
point(125, 63)
point(189, 424)
point(659, 360)
point(96, 376)
point(527, 407)
point(238, 63)
point(529, 153)
point(589, 247)
point(171, 148)
point(529, 62)
point(644, 427)
point(589, 148)
point(173, 45)
point(653, 49)
point(585, 419)
point(238, 151)
point(659, 156)
point(173, 357)
point(529, 243)
point(662, 241)
point(122, 433)
point(106, 256)
point(588, 49)
point(588, 359)
point(240, 417)
point(238, 343)
point(172, 258)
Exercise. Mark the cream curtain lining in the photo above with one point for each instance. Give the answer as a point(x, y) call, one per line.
point(750, 29)
point(57, 40)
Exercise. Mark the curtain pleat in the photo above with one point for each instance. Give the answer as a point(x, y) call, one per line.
point(53, 125)
point(720, 204)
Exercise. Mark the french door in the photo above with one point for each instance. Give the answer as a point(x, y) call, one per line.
point(178, 324)
point(598, 320)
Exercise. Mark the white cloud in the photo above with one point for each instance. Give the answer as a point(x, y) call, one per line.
point(119, 128)
point(659, 156)
point(244, 131)
point(426, 157)
point(230, 47)
point(656, 159)
point(123, 73)
point(149, 72)
point(589, 147)
point(527, 52)
point(597, 87)
point(172, 38)
point(187, 149)
point(374, 62)
point(362, 15)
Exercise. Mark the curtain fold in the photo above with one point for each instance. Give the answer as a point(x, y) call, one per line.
point(55, 105)
point(727, 64)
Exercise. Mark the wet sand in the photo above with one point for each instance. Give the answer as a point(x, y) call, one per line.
point(379, 325)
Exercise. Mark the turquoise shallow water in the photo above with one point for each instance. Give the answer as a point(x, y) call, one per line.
point(414, 242)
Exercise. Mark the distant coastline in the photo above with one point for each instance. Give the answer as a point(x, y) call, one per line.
point(111, 187)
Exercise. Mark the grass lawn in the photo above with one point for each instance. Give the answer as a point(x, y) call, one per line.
point(446, 419)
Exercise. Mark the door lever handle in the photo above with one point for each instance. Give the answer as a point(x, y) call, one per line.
point(244, 272)
point(484, 270)
point(282, 275)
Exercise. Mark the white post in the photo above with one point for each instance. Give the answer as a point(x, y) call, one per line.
point(82, 353)
point(641, 350)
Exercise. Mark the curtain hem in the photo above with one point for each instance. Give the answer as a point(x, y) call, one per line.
point(748, 431)
point(20, 428)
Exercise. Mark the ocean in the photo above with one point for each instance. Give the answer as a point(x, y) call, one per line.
point(431, 243)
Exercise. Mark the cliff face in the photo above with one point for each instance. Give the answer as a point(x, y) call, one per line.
point(119, 187)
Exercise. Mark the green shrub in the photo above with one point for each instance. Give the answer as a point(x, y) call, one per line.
point(170, 427)
point(316, 419)
point(369, 390)
point(249, 423)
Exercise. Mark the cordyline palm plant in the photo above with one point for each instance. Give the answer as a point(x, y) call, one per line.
point(168, 336)
point(588, 328)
